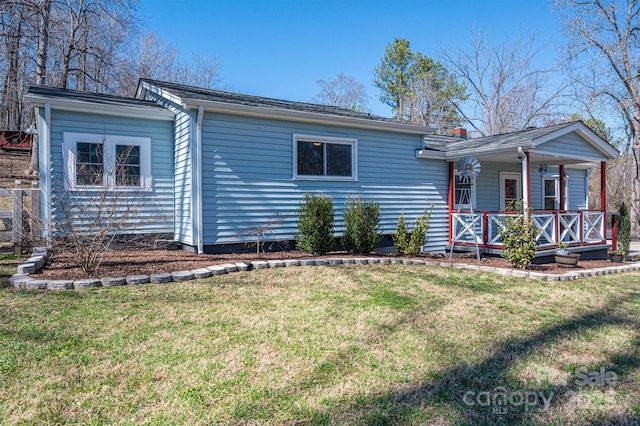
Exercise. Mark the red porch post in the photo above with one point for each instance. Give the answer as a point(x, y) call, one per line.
point(561, 204)
point(485, 228)
point(450, 198)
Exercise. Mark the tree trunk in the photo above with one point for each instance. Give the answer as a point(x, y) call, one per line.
point(41, 75)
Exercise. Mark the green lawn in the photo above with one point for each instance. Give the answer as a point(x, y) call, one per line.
point(8, 265)
point(381, 344)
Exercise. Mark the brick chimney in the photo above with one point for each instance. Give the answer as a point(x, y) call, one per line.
point(459, 132)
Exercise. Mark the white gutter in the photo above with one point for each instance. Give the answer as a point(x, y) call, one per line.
point(308, 117)
point(198, 176)
point(478, 151)
point(586, 185)
point(44, 166)
point(430, 154)
point(87, 107)
point(525, 178)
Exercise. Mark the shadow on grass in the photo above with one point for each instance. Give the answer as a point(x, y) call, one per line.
point(481, 393)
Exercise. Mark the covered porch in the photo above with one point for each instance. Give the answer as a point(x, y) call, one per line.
point(547, 170)
point(582, 230)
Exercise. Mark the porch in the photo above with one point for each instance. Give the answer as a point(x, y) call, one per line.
point(582, 230)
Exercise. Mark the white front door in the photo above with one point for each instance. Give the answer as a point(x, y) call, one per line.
point(510, 188)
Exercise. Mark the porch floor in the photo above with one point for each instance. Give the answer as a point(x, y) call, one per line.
point(590, 252)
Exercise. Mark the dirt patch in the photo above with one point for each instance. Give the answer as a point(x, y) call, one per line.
point(126, 262)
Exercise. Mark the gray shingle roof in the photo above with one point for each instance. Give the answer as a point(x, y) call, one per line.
point(505, 140)
point(187, 93)
point(95, 98)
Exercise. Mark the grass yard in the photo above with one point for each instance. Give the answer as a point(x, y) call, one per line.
point(387, 344)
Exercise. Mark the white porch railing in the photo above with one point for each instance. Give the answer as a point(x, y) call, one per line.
point(573, 227)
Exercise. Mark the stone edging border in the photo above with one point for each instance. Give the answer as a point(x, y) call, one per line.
point(23, 281)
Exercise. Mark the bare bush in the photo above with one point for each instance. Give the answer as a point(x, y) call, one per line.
point(103, 203)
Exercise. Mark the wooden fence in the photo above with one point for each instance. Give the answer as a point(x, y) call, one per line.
point(22, 222)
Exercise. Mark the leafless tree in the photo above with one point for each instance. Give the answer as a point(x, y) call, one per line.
point(14, 32)
point(506, 91)
point(343, 92)
point(85, 45)
point(428, 101)
point(603, 53)
point(154, 58)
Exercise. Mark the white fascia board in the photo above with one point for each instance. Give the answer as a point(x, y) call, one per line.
point(88, 107)
point(589, 135)
point(580, 158)
point(478, 152)
point(307, 117)
point(583, 166)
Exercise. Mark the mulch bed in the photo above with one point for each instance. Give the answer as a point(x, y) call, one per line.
point(127, 262)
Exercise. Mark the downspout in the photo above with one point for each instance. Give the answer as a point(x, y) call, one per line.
point(450, 200)
point(198, 191)
point(44, 166)
point(603, 197)
point(586, 186)
point(524, 157)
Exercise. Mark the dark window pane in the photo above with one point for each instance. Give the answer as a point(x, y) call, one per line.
point(510, 189)
point(89, 167)
point(338, 160)
point(549, 203)
point(549, 188)
point(310, 158)
point(458, 192)
point(128, 154)
point(128, 176)
point(127, 165)
point(89, 174)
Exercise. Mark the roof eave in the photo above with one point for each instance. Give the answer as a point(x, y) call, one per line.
point(478, 152)
point(280, 113)
point(429, 154)
point(306, 117)
point(73, 105)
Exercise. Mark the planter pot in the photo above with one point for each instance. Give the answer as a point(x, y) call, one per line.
point(567, 260)
point(616, 258)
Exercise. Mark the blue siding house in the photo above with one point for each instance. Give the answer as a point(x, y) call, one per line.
point(212, 165)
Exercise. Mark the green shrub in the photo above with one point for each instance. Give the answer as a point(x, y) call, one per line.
point(362, 225)
point(519, 236)
point(411, 242)
point(624, 229)
point(315, 224)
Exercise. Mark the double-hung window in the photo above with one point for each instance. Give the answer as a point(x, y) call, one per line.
point(317, 157)
point(551, 192)
point(107, 161)
point(466, 189)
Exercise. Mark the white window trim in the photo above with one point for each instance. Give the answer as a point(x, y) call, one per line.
point(556, 178)
point(109, 143)
point(326, 139)
point(473, 193)
point(503, 176)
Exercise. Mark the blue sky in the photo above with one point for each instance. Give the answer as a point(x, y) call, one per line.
point(279, 48)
